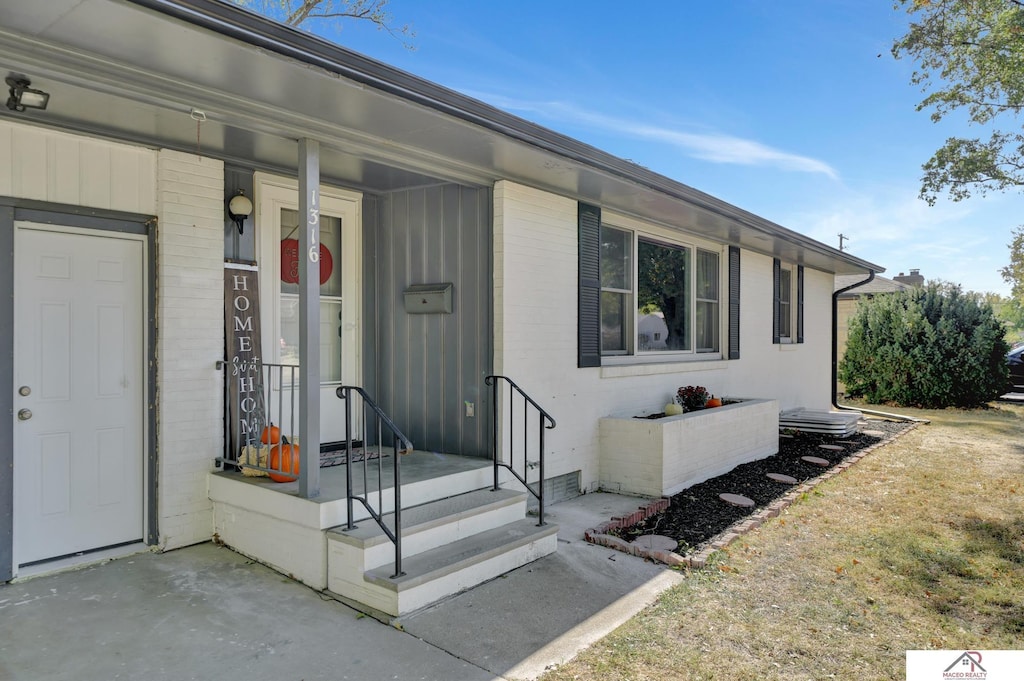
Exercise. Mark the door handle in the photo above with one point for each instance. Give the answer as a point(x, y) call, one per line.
point(24, 391)
point(24, 414)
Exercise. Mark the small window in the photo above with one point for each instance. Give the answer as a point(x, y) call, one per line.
point(616, 290)
point(785, 305)
point(707, 322)
point(788, 313)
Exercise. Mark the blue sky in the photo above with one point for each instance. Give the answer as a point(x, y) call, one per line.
point(794, 110)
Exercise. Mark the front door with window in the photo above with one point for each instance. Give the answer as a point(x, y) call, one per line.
point(80, 392)
point(339, 294)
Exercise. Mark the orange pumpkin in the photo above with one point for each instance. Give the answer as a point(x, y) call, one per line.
point(284, 460)
point(271, 435)
point(714, 402)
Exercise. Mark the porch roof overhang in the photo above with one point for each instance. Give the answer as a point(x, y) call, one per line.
point(134, 70)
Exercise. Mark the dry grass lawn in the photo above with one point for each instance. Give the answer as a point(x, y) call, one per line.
point(918, 546)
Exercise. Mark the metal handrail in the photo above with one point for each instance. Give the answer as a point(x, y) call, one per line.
point(544, 417)
point(400, 445)
point(262, 413)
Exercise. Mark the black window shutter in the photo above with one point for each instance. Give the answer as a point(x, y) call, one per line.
point(776, 299)
point(800, 304)
point(589, 329)
point(734, 302)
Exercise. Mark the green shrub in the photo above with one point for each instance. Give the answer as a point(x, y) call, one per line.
point(932, 346)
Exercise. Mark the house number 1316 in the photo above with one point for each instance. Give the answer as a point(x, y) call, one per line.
point(314, 220)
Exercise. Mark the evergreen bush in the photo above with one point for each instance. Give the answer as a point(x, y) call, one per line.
point(932, 346)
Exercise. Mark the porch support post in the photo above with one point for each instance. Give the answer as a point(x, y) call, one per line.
point(309, 318)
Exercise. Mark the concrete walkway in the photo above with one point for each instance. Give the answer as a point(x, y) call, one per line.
point(205, 612)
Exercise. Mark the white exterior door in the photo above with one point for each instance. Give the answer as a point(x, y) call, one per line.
point(80, 391)
point(340, 296)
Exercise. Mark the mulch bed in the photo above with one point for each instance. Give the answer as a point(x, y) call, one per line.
point(697, 514)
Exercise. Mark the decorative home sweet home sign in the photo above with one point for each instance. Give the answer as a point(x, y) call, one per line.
point(244, 366)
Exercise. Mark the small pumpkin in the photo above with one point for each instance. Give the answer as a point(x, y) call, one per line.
point(271, 435)
point(284, 460)
point(714, 402)
point(673, 409)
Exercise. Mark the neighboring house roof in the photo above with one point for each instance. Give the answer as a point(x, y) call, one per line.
point(873, 287)
point(134, 71)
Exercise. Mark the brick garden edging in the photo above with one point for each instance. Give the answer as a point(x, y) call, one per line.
point(599, 535)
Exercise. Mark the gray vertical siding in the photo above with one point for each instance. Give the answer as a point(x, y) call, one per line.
point(425, 367)
point(421, 369)
point(371, 212)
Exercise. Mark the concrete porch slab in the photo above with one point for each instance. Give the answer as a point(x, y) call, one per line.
point(202, 612)
point(206, 612)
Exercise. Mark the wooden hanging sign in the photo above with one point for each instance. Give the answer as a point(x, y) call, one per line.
point(244, 359)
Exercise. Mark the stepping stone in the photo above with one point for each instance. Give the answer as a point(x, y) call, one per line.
point(834, 448)
point(655, 542)
point(817, 461)
point(737, 500)
point(873, 433)
point(787, 479)
point(786, 435)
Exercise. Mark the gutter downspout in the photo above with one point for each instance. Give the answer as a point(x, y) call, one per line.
point(835, 359)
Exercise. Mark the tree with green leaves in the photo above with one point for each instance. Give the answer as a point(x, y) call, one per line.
point(1013, 274)
point(300, 12)
point(970, 57)
point(662, 284)
point(929, 346)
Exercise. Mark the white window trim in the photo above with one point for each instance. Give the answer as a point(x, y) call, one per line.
point(274, 192)
point(792, 303)
point(670, 237)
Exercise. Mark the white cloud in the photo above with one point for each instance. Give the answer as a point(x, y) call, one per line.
point(876, 219)
point(719, 148)
point(710, 146)
point(899, 231)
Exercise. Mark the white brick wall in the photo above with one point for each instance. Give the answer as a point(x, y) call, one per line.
point(664, 456)
point(535, 278)
point(797, 375)
point(190, 339)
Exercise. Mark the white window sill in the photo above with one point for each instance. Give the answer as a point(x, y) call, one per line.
point(620, 367)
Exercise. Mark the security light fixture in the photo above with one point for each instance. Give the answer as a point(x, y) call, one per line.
point(23, 97)
point(239, 208)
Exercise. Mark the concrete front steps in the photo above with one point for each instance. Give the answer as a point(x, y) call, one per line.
point(448, 545)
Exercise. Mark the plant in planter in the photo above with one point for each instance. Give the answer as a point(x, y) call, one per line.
point(692, 397)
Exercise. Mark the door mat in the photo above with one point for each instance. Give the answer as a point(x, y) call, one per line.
point(341, 457)
point(254, 460)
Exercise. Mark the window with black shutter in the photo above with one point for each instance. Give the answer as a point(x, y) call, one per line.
point(800, 304)
point(734, 302)
point(589, 329)
point(645, 295)
point(787, 303)
point(776, 301)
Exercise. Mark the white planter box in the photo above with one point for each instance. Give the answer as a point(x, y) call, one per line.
point(661, 457)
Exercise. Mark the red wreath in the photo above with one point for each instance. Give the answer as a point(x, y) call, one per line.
point(290, 262)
